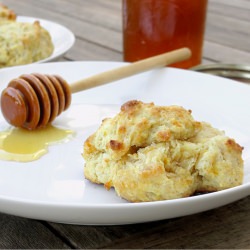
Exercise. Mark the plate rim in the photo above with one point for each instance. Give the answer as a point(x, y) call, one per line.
point(129, 204)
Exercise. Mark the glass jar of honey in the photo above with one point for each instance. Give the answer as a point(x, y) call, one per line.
point(152, 27)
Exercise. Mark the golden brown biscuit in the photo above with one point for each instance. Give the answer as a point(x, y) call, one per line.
point(6, 13)
point(150, 153)
point(158, 172)
point(23, 43)
point(220, 164)
point(138, 125)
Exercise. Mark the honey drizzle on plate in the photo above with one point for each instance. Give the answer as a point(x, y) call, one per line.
point(22, 145)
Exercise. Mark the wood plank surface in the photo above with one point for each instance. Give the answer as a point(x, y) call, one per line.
point(21, 233)
point(97, 25)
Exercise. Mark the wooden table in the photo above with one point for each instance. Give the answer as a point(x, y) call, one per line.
point(97, 26)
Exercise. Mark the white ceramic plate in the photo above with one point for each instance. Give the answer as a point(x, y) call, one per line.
point(54, 189)
point(62, 38)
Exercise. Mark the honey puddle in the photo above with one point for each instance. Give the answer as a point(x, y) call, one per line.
point(22, 145)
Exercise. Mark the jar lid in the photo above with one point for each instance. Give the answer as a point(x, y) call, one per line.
point(239, 72)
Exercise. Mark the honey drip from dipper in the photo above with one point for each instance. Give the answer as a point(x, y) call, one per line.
point(22, 145)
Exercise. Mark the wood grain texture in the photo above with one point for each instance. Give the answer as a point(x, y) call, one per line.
point(21, 233)
point(97, 26)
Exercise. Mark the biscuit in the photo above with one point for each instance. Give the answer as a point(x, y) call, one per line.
point(220, 164)
point(6, 13)
point(150, 153)
point(23, 43)
point(139, 125)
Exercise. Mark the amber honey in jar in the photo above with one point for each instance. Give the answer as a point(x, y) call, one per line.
point(152, 27)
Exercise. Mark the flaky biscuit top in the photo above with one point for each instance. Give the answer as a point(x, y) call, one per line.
point(139, 124)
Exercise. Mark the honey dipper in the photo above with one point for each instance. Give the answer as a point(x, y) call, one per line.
point(34, 100)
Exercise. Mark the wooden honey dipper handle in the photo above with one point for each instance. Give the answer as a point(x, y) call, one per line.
point(34, 100)
point(131, 69)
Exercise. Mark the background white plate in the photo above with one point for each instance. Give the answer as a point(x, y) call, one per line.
point(62, 38)
point(53, 188)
